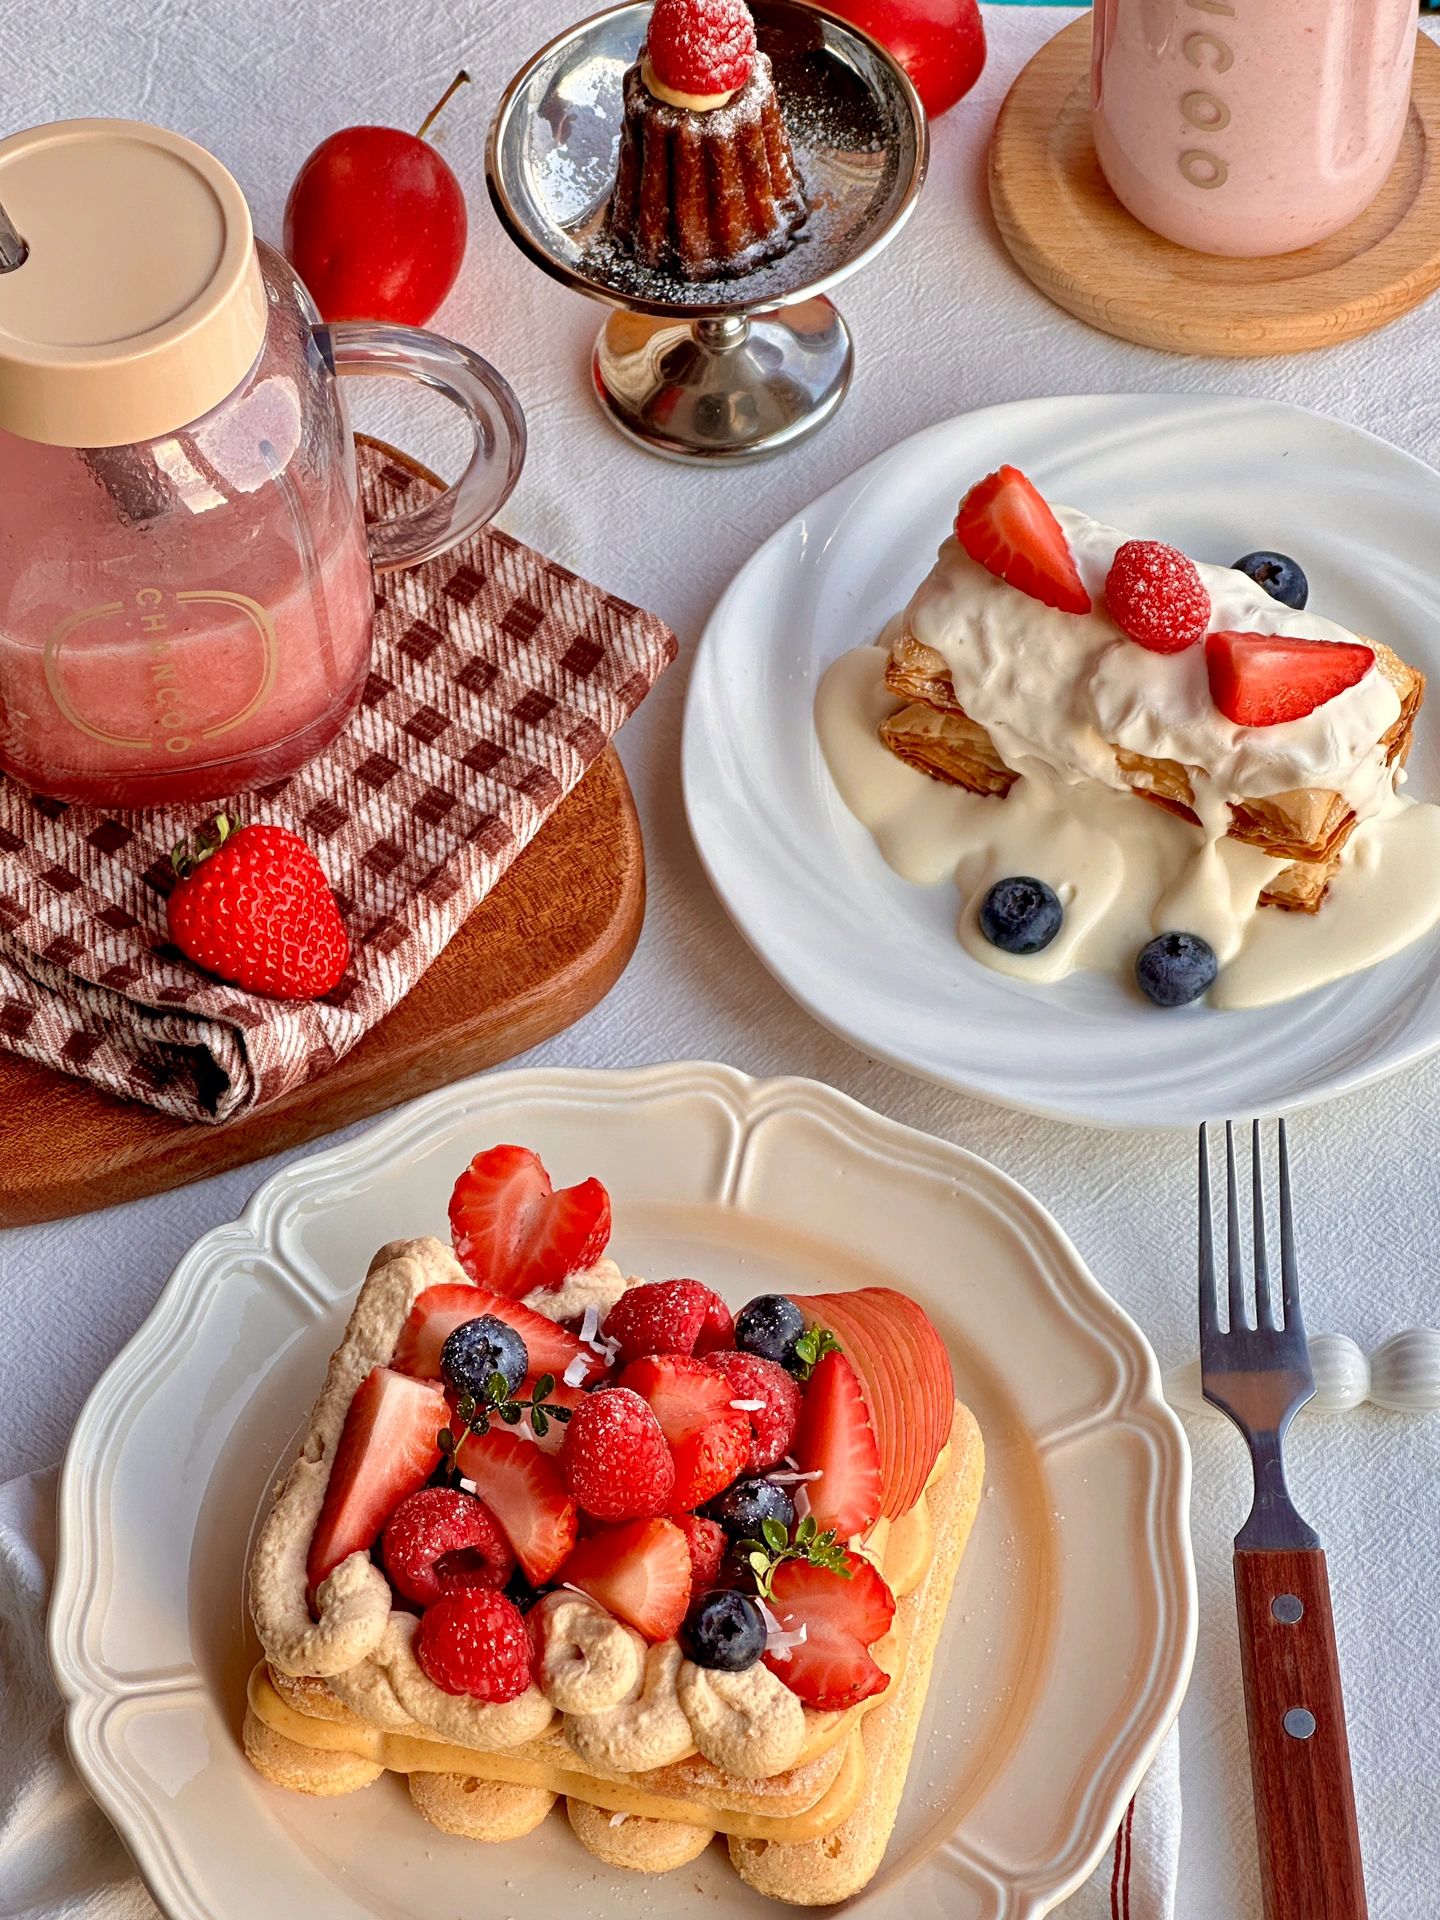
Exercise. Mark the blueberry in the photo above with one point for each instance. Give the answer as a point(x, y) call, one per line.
point(519, 1589)
point(1281, 577)
point(1021, 915)
point(770, 1326)
point(741, 1508)
point(1176, 968)
point(725, 1630)
point(478, 1348)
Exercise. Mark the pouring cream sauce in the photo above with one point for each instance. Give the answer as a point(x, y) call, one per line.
point(1054, 690)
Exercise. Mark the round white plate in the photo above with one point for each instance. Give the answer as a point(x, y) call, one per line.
point(876, 957)
point(1068, 1642)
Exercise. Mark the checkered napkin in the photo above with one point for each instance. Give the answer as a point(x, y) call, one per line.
point(497, 679)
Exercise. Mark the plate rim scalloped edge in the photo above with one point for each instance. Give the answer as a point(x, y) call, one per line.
point(83, 1475)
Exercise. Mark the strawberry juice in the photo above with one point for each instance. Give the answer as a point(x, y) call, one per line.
point(1245, 127)
point(139, 669)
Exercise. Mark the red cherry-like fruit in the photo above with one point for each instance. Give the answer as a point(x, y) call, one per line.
point(940, 43)
point(375, 224)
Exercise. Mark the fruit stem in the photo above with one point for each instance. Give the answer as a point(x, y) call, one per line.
point(462, 79)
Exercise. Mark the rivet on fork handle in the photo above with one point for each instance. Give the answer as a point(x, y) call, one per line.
point(1299, 1752)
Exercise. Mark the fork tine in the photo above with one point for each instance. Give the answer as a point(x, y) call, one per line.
point(1264, 1315)
point(1235, 1252)
point(1207, 1247)
point(1289, 1272)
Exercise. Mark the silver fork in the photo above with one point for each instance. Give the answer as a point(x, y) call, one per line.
point(1299, 1754)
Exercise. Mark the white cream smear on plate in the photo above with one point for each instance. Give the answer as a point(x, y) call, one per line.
point(1054, 690)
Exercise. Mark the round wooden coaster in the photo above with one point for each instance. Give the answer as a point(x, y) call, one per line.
point(1070, 235)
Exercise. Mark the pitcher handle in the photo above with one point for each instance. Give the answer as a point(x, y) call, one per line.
point(497, 428)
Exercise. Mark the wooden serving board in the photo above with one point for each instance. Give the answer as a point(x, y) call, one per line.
point(547, 944)
point(1071, 236)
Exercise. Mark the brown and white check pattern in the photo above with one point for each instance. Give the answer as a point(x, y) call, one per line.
point(497, 679)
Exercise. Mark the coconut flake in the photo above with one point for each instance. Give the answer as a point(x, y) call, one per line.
point(574, 1374)
point(589, 1323)
point(772, 1623)
point(780, 1644)
point(747, 1406)
point(795, 1478)
point(618, 1819)
point(802, 1504)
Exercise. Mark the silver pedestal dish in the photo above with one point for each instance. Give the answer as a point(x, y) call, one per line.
point(724, 369)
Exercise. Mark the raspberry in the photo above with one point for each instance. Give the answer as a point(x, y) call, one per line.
point(669, 1316)
point(1155, 594)
point(707, 1543)
point(701, 46)
point(772, 1426)
point(475, 1643)
point(614, 1457)
point(440, 1541)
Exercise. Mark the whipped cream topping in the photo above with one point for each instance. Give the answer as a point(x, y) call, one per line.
point(1058, 693)
point(674, 97)
point(599, 1286)
point(1064, 689)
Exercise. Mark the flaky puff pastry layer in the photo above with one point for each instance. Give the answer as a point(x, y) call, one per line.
point(1308, 826)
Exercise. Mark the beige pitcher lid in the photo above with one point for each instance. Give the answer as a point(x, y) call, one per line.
point(139, 305)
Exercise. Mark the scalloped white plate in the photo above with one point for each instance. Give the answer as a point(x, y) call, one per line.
point(1067, 1646)
point(876, 958)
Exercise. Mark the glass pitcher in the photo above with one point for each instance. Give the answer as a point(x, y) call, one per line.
point(186, 580)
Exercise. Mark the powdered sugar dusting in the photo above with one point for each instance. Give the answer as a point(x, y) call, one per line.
point(845, 140)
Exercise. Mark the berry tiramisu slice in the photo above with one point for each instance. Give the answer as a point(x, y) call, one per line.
point(684, 1571)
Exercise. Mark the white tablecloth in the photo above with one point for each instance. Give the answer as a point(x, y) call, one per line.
point(942, 323)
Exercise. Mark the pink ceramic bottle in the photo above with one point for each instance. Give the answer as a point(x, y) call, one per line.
point(1250, 126)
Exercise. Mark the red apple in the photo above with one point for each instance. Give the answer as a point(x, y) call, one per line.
point(940, 43)
point(375, 224)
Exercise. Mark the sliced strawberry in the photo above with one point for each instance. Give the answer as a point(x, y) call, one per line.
point(388, 1447)
point(905, 1369)
point(836, 1438)
point(1006, 527)
point(513, 1232)
point(439, 1310)
point(640, 1572)
point(772, 1397)
point(524, 1489)
point(709, 1438)
point(669, 1316)
point(707, 1541)
point(831, 1667)
point(1264, 679)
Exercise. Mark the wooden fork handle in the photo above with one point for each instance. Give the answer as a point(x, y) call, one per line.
point(1299, 1754)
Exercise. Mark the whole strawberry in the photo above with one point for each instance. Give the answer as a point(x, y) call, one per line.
point(253, 906)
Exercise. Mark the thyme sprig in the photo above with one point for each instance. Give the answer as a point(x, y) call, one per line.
point(473, 1414)
point(812, 1347)
point(768, 1554)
